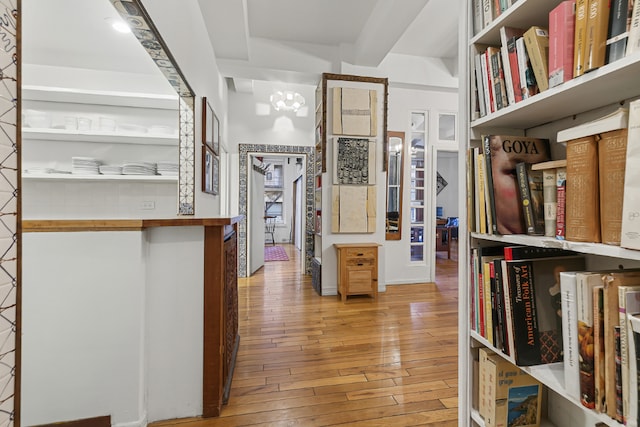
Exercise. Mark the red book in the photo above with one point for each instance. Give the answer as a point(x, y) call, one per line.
point(515, 71)
point(562, 21)
point(492, 100)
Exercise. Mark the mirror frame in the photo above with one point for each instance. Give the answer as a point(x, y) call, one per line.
point(142, 26)
point(396, 235)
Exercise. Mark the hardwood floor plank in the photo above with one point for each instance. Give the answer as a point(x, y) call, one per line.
point(307, 360)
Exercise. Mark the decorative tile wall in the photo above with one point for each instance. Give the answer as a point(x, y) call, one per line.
point(9, 212)
point(244, 151)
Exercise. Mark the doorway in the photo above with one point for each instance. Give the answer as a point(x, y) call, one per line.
point(246, 151)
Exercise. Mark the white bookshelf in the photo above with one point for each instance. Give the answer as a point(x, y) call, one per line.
point(541, 116)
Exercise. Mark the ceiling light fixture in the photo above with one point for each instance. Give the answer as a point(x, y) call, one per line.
point(118, 25)
point(287, 100)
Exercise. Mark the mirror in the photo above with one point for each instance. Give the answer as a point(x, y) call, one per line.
point(395, 172)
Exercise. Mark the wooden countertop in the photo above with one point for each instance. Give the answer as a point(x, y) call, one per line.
point(66, 225)
point(356, 245)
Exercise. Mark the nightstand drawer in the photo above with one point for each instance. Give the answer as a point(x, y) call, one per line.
point(361, 252)
point(368, 262)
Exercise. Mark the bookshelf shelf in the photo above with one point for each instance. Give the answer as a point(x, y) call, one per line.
point(542, 115)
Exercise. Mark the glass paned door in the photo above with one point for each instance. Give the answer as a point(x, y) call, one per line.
point(417, 187)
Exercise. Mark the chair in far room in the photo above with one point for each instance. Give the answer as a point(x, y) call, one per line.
point(270, 229)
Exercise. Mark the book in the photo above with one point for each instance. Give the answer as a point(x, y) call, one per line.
point(562, 21)
point(617, 33)
point(628, 303)
point(582, 206)
point(491, 207)
point(470, 191)
point(618, 119)
point(634, 363)
point(481, 181)
point(596, 34)
point(612, 155)
point(487, 12)
point(630, 229)
point(482, 102)
point(500, 307)
point(513, 397)
point(619, 414)
point(506, 34)
point(579, 40)
point(585, 283)
point(550, 201)
point(487, 74)
point(497, 79)
point(551, 164)
point(633, 43)
point(561, 196)
point(536, 40)
point(513, 252)
point(514, 70)
point(478, 23)
point(534, 291)
point(571, 359)
point(612, 281)
point(506, 152)
point(528, 84)
point(531, 197)
point(598, 348)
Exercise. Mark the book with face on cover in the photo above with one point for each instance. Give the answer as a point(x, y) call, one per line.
point(506, 152)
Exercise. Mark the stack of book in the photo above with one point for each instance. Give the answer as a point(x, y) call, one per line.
point(581, 36)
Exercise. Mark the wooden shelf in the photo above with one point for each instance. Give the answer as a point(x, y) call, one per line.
point(96, 97)
point(97, 136)
point(122, 178)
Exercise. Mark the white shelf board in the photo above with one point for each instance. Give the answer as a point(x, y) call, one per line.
point(550, 242)
point(78, 177)
point(98, 136)
point(98, 97)
point(475, 416)
point(609, 84)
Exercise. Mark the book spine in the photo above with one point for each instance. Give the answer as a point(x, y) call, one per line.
point(634, 370)
point(617, 34)
point(596, 32)
point(486, 145)
point(630, 237)
point(480, 85)
point(478, 24)
point(531, 252)
point(550, 201)
point(561, 196)
point(561, 39)
point(633, 43)
point(570, 334)
point(524, 193)
point(628, 302)
point(579, 43)
point(502, 329)
point(582, 200)
point(482, 192)
point(508, 313)
point(488, 302)
point(525, 328)
point(497, 341)
point(612, 156)
point(481, 302)
point(536, 192)
point(536, 40)
point(513, 65)
point(619, 414)
point(488, 78)
point(598, 349)
point(585, 322)
point(528, 83)
point(499, 92)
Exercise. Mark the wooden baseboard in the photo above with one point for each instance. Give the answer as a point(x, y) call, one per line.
point(104, 421)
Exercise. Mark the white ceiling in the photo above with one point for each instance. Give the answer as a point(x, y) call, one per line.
point(291, 41)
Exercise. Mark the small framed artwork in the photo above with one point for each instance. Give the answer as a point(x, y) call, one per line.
point(215, 176)
point(210, 127)
point(207, 169)
point(216, 135)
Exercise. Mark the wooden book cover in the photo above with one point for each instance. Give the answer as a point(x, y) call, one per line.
point(612, 155)
point(530, 189)
point(582, 205)
point(631, 207)
point(536, 40)
point(612, 281)
point(562, 21)
point(513, 396)
point(506, 152)
point(579, 40)
point(596, 32)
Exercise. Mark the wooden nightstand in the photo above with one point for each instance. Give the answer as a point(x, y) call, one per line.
point(357, 269)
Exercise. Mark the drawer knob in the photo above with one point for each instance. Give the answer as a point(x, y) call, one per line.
point(360, 254)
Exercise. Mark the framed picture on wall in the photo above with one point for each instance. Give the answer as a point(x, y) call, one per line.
point(215, 178)
point(208, 160)
point(210, 127)
point(216, 135)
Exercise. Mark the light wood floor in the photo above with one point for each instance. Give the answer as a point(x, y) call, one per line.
point(306, 360)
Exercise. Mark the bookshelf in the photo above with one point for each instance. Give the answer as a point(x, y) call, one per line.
point(542, 115)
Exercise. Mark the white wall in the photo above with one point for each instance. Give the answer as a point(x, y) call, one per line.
point(402, 101)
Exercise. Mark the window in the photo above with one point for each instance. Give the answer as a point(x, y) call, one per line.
point(417, 187)
point(274, 191)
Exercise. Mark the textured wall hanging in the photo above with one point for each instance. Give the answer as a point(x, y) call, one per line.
point(353, 209)
point(354, 161)
point(354, 111)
